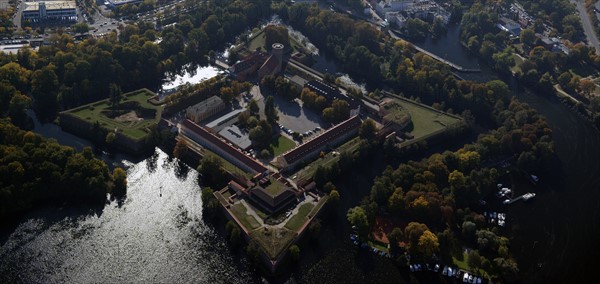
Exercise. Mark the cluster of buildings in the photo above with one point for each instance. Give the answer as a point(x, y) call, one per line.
point(329, 139)
point(516, 19)
point(269, 191)
point(399, 11)
point(35, 12)
point(260, 63)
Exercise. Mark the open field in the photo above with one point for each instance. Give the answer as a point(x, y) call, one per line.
point(240, 212)
point(259, 41)
point(281, 145)
point(426, 121)
point(300, 218)
point(273, 240)
point(327, 160)
point(132, 118)
point(275, 187)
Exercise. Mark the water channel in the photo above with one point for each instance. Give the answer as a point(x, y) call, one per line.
point(158, 234)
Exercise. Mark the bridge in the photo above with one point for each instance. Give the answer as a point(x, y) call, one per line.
point(452, 65)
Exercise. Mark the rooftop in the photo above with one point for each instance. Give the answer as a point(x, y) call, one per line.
point(331, 134)
point(50, 5)
point(251, 163)
point(206, 105)
point(236, 136)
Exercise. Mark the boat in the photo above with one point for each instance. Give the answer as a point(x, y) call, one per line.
point(528, 196)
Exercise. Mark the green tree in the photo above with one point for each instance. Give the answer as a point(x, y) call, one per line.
point(527, 37)
point(294, 252)
point(253, 107)
point(394, 237)
point(119, 181)
point(211, 171)
point(16, 108)
point(367, 129)
point(474, 259)
point(110, 138)
point(396, 201)
point(334, 196)
point(457, 179)
point(270, 111)
point(115, 96)
point(358, 217)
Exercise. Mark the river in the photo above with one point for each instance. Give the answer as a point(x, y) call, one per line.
point(158, 235)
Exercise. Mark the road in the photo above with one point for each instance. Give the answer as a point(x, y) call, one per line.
point(588, 28)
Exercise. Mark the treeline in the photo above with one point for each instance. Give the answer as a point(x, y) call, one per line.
point(36, 171)
point(67, 73)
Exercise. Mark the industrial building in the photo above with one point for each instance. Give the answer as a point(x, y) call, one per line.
point(49, 11)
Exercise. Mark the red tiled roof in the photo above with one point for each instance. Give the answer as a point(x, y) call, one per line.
point(331, 134)
point(253, 164)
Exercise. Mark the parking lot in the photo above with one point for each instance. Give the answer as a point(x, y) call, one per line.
point(296, 118)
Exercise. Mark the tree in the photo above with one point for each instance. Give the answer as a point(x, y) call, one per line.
point(115, 95)
point(428, 244)
point(527, 37)
point(358, 217)
point(413, 232)
point(396, 201)
point(367, 129)
point(16, 108)
point(457, 179)
point(394, 237)
point(474, 259)
point(294, 252)
point(334, 196)
point(211, 170)
point(80, 28)
point(253, 107)
point(180, 149)
point(44, 89)
point(110, 138)
point(314, 228)
point(119, 182)
point(227, 94)
point(270, 111)
point(587, 86)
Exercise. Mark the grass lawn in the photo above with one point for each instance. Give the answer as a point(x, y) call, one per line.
point(462, 264)
point(275, 187)
point(377, 246)
point(229, 166)
point(300, 218)
point(426, 121)
point(273, 240)
point(249, 222)
point(281, 145)
point(329, 159)
point(260, 38)
point(317, 207)
point(134, 128)
point(518, 61)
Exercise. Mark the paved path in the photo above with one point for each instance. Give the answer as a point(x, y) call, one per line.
point(588, 29)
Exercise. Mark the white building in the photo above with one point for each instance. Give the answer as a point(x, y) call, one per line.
point(50, 10)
